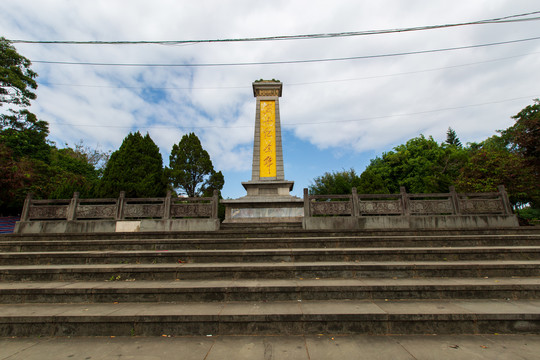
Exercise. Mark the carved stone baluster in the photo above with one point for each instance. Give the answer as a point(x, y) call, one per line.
point(215, 204)
point(455, 201)
point(404, 201)
point(167, 206)
point(120, 206)
point(26, 207)
point(72, 208)
point(355, 204)
point(307, 203)
point(505, 201)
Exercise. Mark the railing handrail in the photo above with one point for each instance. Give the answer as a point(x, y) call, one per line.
point(206, 207)
point(411, 204)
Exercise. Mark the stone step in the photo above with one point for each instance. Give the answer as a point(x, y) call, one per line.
point(273, 255)
point(258, 227)
point(270, 233)
point(272, 318)
point(13, 244)
point(271, 270)
point(270, 290)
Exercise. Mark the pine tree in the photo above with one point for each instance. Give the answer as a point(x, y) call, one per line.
point(452, 139)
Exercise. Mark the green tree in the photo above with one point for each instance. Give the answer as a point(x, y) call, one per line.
point(490, 166)
point(524, 135)
point(421, 165)
point(342, 182)
point(452, 138)
point(20, 129)
point(28, 162)
point(25, 136)
point(16, 77)
point(136, 168)
point(191, 170)
point(335, 183)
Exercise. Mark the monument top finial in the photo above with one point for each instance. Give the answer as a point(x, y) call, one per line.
point(267, 88)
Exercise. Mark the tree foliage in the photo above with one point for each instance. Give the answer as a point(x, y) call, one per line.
point(338, 182)
point(342, 182)
point(16, 78)
point(421, 165)
point(452, 138)
point(424, 166)
point(136, 168)
point(524, 135)
point(191, 170)
point(488, 167)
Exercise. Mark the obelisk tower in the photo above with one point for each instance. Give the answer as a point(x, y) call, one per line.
point(268, 196)
point(267, 175)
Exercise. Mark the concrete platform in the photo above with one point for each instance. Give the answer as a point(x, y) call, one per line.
point(312, 347)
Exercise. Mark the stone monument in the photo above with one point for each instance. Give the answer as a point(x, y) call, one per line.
point(268, 196)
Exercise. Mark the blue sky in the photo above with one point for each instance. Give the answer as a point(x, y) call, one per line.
point(335, 114)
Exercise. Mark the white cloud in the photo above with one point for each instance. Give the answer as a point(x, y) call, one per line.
point(349, 106)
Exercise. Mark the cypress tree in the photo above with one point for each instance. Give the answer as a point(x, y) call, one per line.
point(136, 168)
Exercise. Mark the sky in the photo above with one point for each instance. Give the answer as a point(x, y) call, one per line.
point(336, 114)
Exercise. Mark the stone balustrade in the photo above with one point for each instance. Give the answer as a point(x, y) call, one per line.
point(452, 203)
point(121, 208)
point(321, 212)
point(406, 211)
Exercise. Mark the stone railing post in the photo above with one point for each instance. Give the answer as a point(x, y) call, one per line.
point(455, 200)
point(504, 198)
point(120, 206)
point(307, 205)
point(26, 207)
point(404, 201)
point(72, 208)
point(215, 204)
point(167, 206)
point(355, 204)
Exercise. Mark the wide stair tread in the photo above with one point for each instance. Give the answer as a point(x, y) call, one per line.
point(261, 255)
point(269, 290)
point(283, 317)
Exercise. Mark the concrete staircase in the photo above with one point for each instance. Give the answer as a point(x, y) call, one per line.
point(278, 279)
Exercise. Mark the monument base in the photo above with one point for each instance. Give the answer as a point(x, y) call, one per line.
point(266, 201)
point(250, 209)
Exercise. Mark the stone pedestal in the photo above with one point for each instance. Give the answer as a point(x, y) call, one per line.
point(268, 196)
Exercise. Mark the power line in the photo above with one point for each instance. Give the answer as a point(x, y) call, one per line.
point(294, 84)
point(499, 20)
point(363, 57)
point(303, 123)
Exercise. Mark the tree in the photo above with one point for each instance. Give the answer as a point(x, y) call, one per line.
point(191, 170)
point(524, 135)
point(16, 77)
point(335, 183)
point(490, 166)
point(97, 158)
point(451, 138)
point(17, 82)
point(28, 162)
point(421, 165)
point(342, 182)
point(136, 168)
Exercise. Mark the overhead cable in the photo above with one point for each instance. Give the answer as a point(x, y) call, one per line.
point(301, 123)
point(288, 61)
point(292, 83)
point(499, 20)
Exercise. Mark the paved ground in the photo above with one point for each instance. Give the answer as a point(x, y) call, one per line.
point(325, 347)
